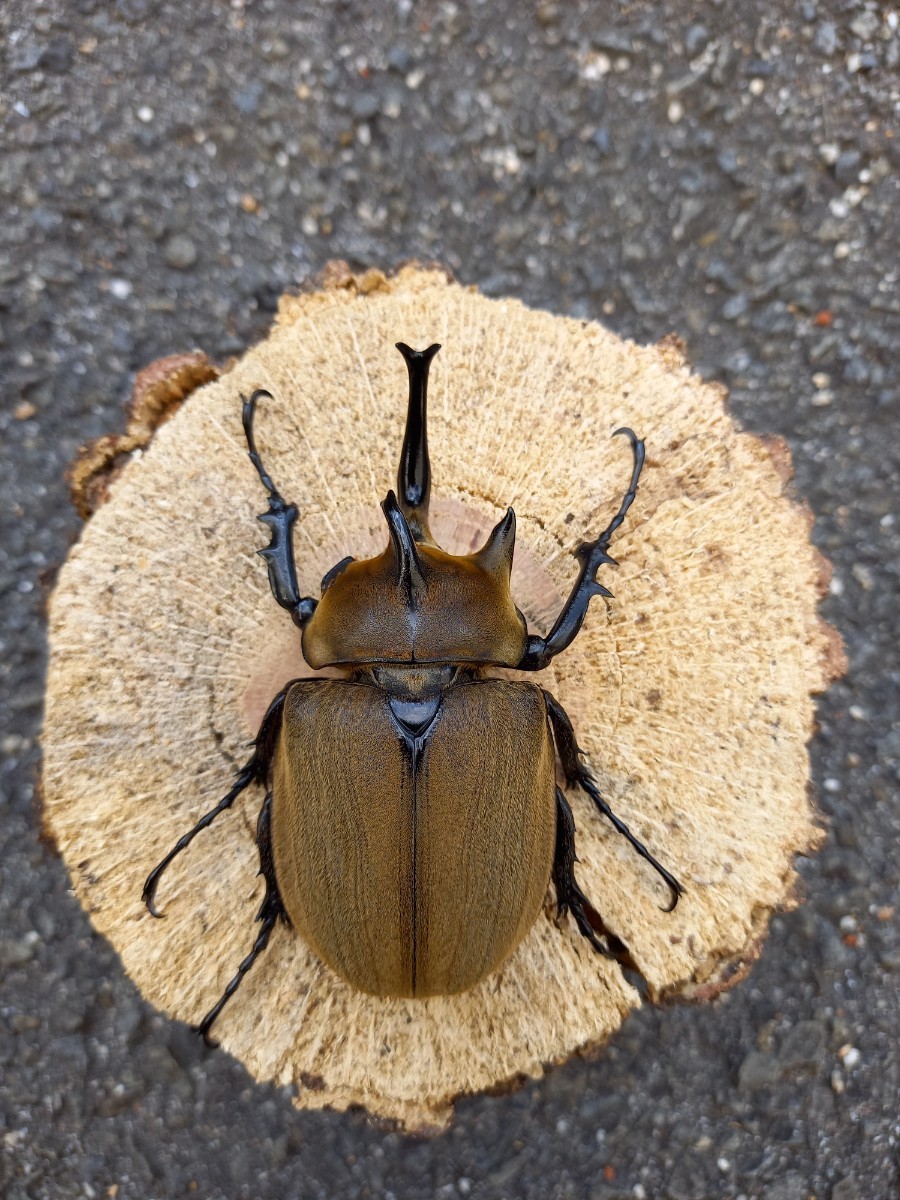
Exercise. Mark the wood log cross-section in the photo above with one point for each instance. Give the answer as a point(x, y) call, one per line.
point(690, 690)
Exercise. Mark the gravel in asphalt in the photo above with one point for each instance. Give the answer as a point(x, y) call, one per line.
point(724, 171)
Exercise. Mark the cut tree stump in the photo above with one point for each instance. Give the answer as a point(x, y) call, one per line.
point(689, 691)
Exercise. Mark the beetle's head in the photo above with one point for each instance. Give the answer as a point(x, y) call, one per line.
point(415, 602)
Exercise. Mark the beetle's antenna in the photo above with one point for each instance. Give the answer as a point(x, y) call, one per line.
point(414, 472)
point(409, 564)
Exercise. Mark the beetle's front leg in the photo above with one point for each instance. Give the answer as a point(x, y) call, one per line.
point(254, 770)
point(591, 556)
point(570, 897)
point(577, 773)
point(279, 554)
point(269, 912)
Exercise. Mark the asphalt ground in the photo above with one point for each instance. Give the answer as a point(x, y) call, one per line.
point(725, 171)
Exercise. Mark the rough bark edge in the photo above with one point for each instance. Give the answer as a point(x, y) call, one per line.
point(337, 281)
point(716, 976)
point(159, 391)
point(424, 1121)
point(833, 659)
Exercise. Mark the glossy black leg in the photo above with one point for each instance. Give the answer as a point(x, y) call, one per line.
point(591, 556)
point(577, 773)
point(255, 770)
point(269, 912)
point(279, 554)
point(570, 897)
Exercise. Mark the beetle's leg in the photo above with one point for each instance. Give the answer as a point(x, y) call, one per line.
point(279, 554)
point(577, 773)
point(269, 912)
point(570, 897)
point(591, 556)
point(254, 770)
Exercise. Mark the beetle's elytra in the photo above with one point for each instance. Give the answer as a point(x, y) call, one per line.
point(411, 821)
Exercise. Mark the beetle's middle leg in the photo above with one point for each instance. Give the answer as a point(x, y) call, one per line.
point(577, 773)
point(269, 912)
point(570, 897)
point(254, 770)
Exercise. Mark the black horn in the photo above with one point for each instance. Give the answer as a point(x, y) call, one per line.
point(414, 472)
point(409, 565)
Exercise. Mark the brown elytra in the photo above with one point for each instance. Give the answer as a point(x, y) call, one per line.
point(413, 883)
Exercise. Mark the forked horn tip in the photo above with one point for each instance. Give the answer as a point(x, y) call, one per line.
point(410, 354)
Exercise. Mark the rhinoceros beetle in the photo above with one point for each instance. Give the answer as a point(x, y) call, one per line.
point(412, 820)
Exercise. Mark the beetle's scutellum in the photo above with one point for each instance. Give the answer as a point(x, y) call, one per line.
point(412, 821)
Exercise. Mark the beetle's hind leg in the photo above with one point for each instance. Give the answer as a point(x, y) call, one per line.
point(254, 770)
point(577, 773)
point(570, 897)
point(269, 912)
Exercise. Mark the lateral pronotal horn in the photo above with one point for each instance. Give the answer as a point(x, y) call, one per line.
point(496, 555)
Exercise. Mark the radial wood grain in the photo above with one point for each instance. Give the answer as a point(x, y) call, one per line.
point(689, 691)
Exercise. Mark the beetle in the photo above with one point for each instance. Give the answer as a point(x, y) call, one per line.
point(412, 820)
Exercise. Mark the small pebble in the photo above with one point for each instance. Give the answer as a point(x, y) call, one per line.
point(849, 1056)
point(695, 39)
point(846, 1189)
point(866, 25)
point(180, 252)
point(13, 953)
point(863, 576)
point(24, 1023)
point(826, 38)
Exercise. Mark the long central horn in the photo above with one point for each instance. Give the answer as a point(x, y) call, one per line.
point(414, 472)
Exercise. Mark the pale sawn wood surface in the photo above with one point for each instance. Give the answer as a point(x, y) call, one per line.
point(690, 690)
